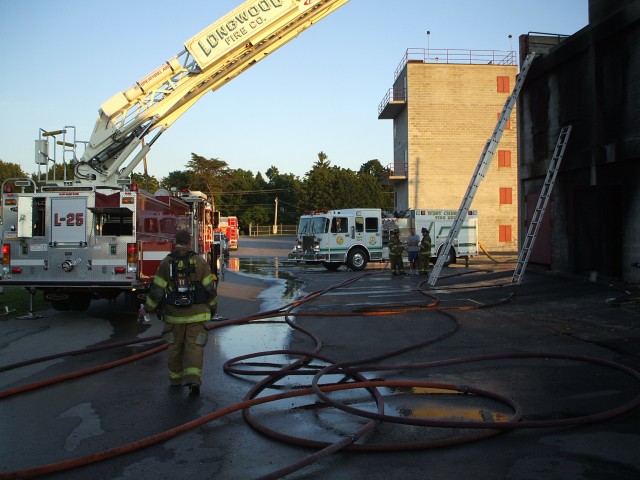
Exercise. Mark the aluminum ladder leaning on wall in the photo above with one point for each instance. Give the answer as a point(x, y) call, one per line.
point(481, 170)
point(541, 206)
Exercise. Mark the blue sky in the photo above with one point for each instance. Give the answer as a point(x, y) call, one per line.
point(62, 59)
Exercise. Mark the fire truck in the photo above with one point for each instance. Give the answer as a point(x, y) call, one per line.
point(81, 229)
point(79, 244)
point(229, 226)
point(356, 236)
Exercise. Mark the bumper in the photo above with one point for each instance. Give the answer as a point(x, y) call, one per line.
point(304, 257)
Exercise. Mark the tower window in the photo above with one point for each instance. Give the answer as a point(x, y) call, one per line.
point(503, 84)
point(504, 158)
point(506, 196)
point(504, 233)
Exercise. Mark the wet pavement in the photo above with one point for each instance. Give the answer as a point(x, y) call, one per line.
point(549, 365)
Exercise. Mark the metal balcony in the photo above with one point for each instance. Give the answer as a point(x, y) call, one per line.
point(393, 103)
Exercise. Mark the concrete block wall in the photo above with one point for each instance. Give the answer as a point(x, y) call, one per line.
point(452, 110)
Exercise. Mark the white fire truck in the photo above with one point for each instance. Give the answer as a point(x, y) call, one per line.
point(356, 236)
point(81, 230)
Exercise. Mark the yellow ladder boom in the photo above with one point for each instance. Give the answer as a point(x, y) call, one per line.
point(212, 58)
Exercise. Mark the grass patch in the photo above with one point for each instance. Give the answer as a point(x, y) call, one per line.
point(16, 301)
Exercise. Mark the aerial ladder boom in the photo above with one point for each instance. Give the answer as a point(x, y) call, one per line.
point(209, 60)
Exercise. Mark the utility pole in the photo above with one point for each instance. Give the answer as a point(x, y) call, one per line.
point(275, 219)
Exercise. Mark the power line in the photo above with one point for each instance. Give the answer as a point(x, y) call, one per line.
point(253, 192)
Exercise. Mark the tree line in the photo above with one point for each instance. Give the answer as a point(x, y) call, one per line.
point(252, 197)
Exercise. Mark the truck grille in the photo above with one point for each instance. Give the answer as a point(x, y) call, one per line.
point(307, 243)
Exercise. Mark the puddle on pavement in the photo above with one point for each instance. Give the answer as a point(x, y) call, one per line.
point(272, 334)
point(286, 288)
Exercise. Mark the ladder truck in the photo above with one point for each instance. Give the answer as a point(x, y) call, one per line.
point(81, 230)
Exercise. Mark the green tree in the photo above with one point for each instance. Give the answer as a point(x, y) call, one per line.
point(11, 170)
point(287, 188)
point(272, 172)
point(334, 187)
point(323, 161)
point(241, 192)
point(316, 191)
point(146, 182)
point(207, 174)
point(381, 188)
point(256, 215)
point(376, 170)
point(176, 179)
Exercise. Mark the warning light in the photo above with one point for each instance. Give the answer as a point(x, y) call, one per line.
point(132, 253)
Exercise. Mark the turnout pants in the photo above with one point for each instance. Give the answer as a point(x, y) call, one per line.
point(423, 263)
point(397, 265)
point(186, 351)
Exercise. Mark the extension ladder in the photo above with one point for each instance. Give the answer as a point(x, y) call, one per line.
point(480, 172)
point(541, 206)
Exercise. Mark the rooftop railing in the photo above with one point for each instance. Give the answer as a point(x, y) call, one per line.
point(453, 56)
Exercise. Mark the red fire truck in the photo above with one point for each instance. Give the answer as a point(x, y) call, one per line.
point(229, 226)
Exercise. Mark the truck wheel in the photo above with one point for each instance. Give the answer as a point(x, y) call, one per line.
point(357, 259)
point(61, 305)
point(332, 266)
point(450, 258)
point(80, 302)
point(59, 301)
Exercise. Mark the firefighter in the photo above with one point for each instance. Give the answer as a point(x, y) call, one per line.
point(425, 253)
point(184, 316)
point(396, 249)
point(413, 249)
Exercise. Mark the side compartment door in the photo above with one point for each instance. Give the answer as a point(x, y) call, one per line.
point(150, 255)
point(25, 216)
point(373, 238)
point(340, 239)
